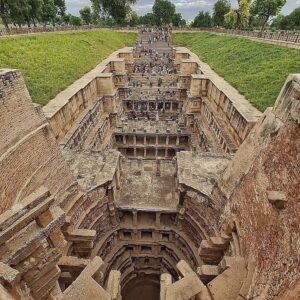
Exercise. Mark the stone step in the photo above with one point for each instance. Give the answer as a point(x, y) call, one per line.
point(80, 235)
point(71, 190)
point(72, 264)
point(70, 206)
point(25, 219)
point(207, 272)
point(87, 212)
point(227, 284)
point(228, 261)
point(209, 253)
point(219, 242)
point(12, 215)
point(45, 284)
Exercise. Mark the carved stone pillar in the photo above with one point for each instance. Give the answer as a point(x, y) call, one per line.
point(110, 194)
point(118, 178)
point(157, 219)
point(140, 163)
point(158, 167)
point(180, 218)
point(134, 218)
point(175, 166)
point(113, 215)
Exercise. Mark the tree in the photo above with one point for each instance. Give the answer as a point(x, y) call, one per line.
point(5, 11)
point(177, 20)
point(266, 9)
point(34, 11)
point(231, 19)
point(221, 8)
point(289, 22)
point(148, 19)
point(203, 19)
point(48, 12)
point(294, 18)
point(86, 15)
point(117, 9)
point(163, 11)
point(75, 21)
point(29, 12)
point(66, 18)
point(255, 22)
point(239, 17)
point(19, 9)
point(243, 13)
point(60, 6)
point(133, 19)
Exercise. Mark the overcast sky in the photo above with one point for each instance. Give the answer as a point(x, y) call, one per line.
point(188, 8)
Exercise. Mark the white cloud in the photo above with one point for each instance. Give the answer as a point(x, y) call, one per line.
point(142, 9)
point(191, 4)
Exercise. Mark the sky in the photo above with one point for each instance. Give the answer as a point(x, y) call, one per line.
point(188, 8)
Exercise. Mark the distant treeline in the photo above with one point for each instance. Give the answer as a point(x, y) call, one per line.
point(116, 12)
point(249, 15)
point(101, 12)
point(289, 22)
point(32, 12)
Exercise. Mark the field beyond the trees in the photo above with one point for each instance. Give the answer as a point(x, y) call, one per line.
point(50, 62)
point(257, 70)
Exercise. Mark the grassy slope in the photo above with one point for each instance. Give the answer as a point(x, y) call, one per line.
point(51, 62)
point(257, 70)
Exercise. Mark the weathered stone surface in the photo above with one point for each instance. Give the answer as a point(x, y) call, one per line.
point(172, 184)
point(277, 199)
point(267, 161)
point(24, 128)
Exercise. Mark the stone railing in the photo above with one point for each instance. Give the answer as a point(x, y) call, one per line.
point(282, 36)
point(28, 30)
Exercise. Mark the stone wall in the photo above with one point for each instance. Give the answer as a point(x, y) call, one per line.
point(262, 187)
point(74, 102)
point(40, 29)
point(30, 156)
point(229, 110)
point(17, 115)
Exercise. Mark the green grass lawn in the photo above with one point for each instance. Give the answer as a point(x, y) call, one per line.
point(51, 62)
point(256, 70)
